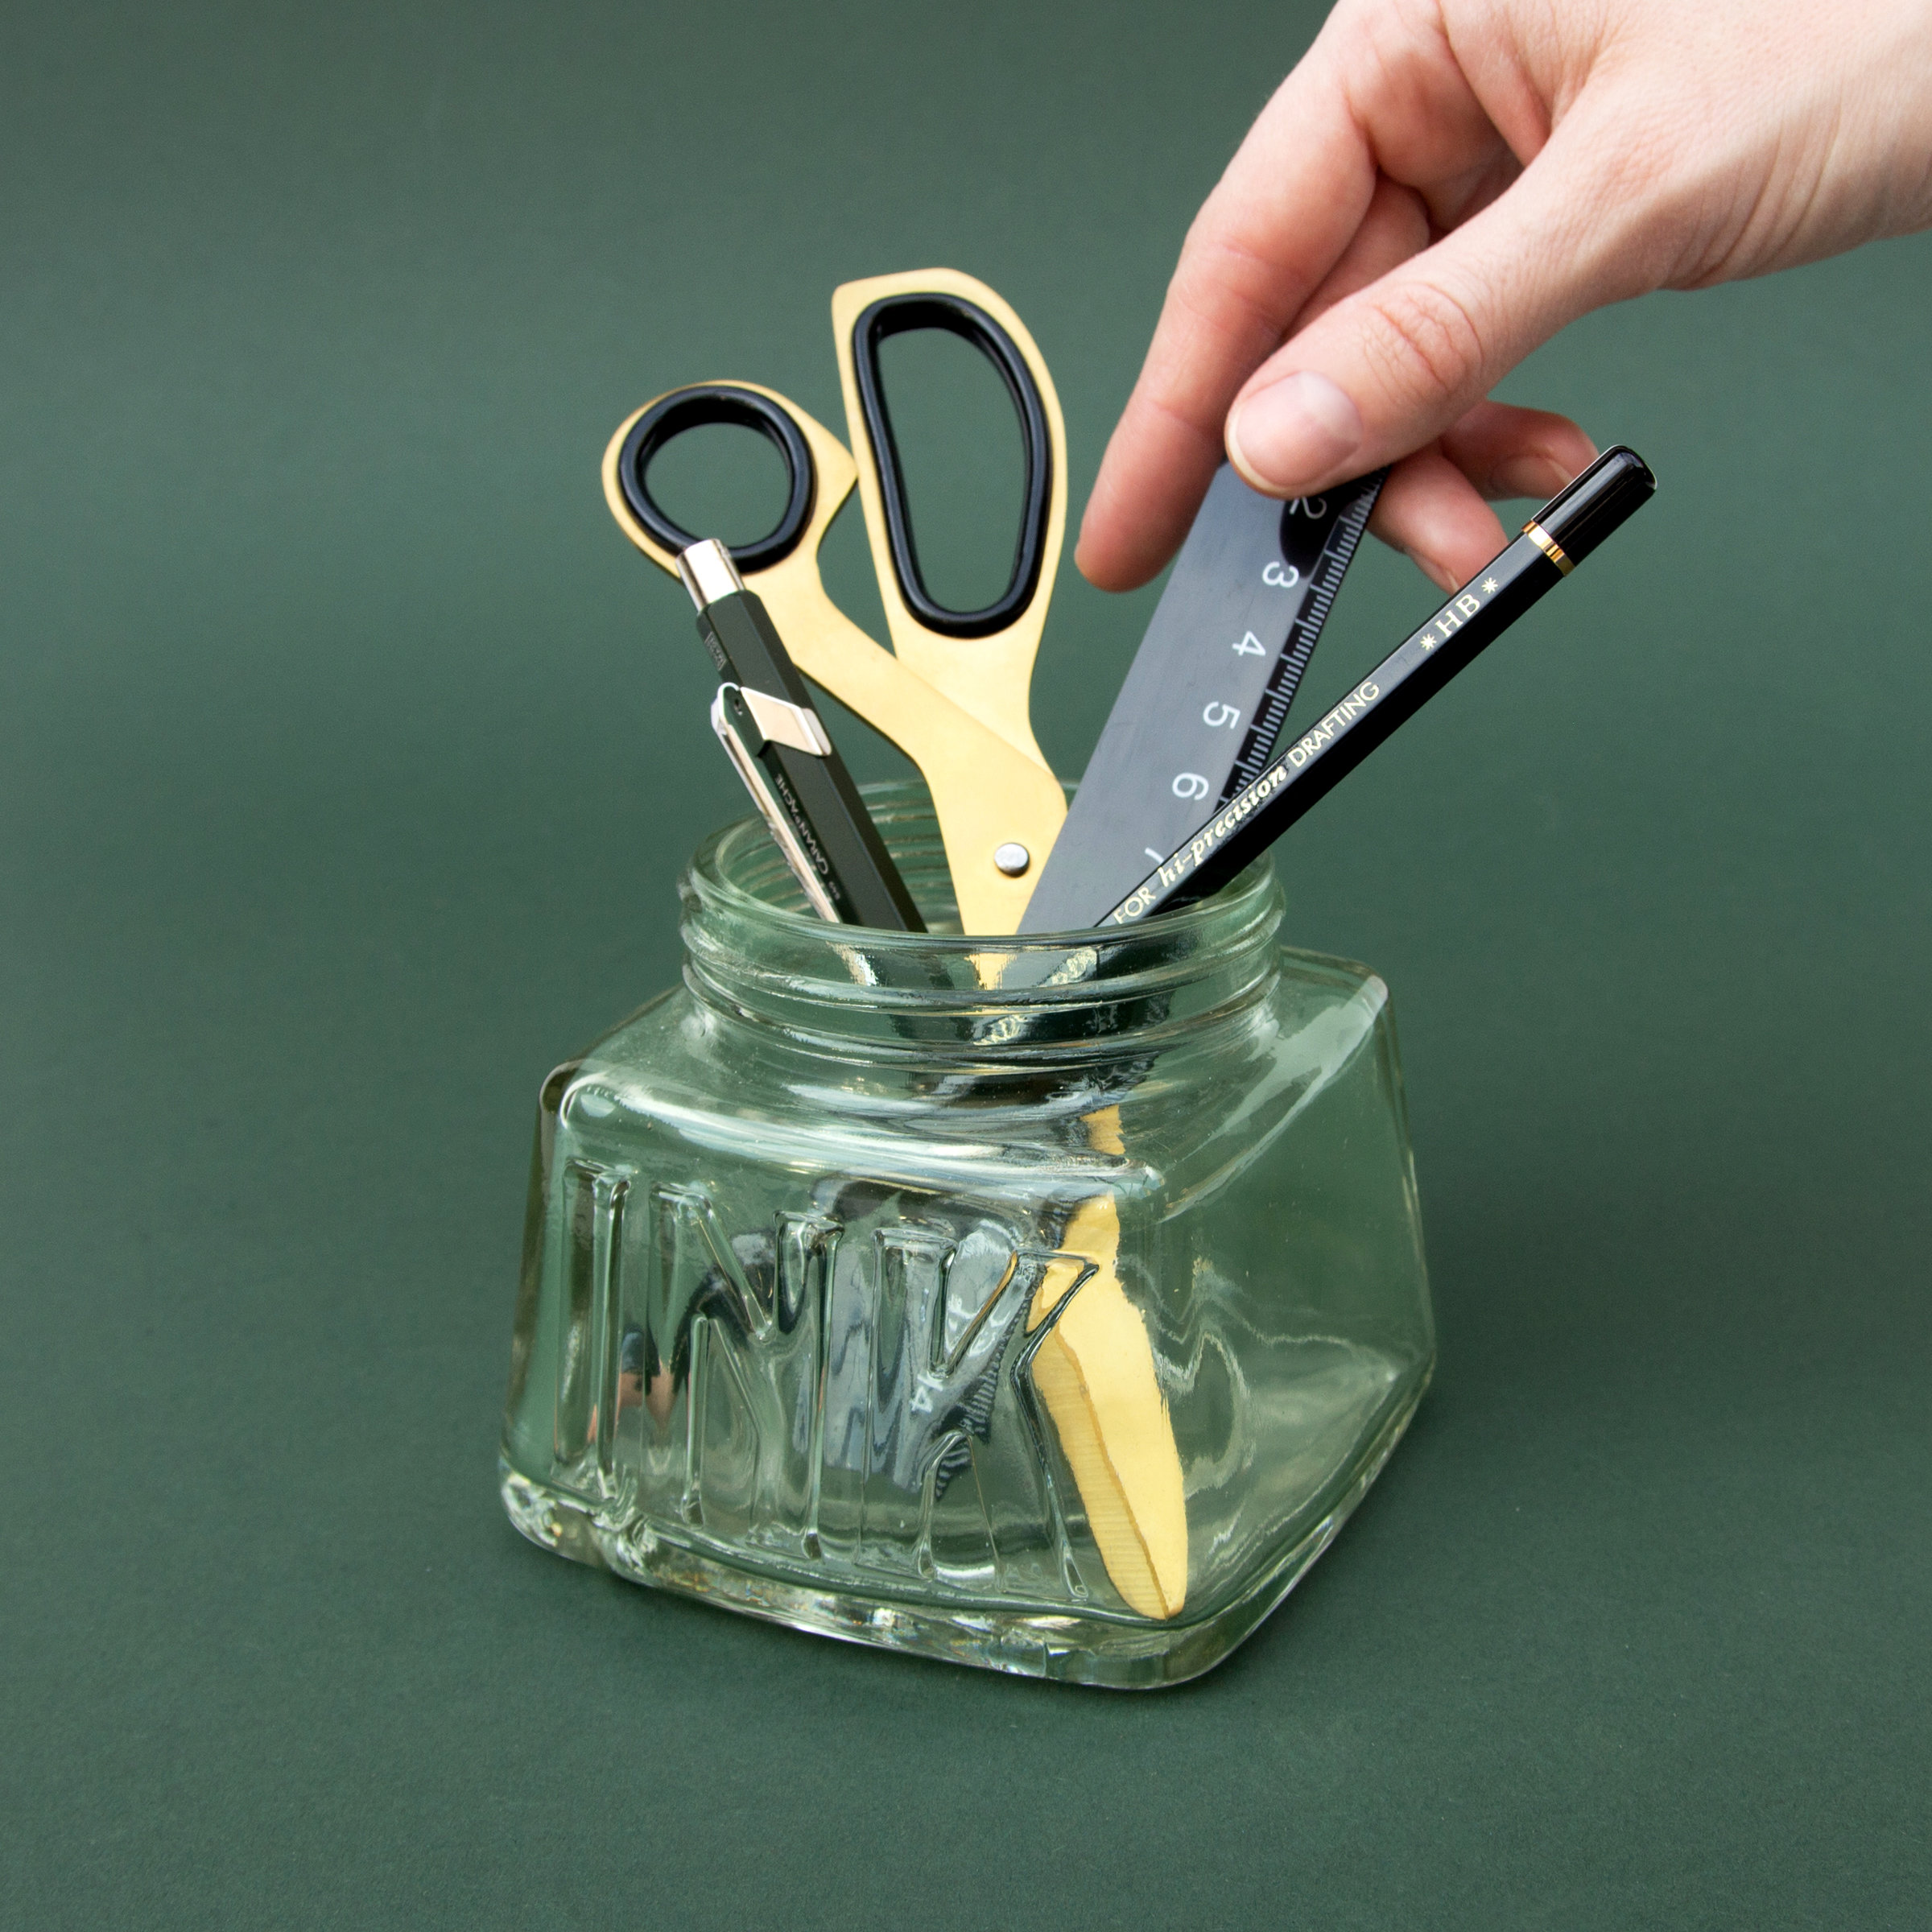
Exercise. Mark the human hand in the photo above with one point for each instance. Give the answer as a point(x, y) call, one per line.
point(1439, 186)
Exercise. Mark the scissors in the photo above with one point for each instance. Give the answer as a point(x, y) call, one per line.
point(952, 693)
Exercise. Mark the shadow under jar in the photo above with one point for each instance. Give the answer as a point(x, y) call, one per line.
point(1043, 1304)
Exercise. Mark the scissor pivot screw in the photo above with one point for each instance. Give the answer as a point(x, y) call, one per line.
point(1013, 858)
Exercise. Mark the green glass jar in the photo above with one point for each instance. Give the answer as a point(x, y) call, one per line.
point(1040, 1304)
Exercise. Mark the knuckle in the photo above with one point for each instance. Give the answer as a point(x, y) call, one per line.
point(1421, 337)
point(1233, 284)
point(1222, 316)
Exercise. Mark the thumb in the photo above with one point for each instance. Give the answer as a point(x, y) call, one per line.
point(1392, 367)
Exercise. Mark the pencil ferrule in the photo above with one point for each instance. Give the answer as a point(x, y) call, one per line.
point(1548, 545)
point(709, 573)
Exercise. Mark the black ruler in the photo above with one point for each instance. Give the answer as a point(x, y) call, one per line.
point(1335, 524)
point(1209, 688)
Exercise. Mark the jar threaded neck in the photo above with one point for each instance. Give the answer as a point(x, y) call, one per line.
point(753, 950)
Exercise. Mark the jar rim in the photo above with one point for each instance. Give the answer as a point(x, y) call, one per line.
point(750, 951)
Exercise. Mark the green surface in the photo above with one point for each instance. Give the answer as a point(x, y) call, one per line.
point(318, 639)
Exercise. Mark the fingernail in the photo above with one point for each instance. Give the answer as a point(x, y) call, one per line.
point(1288, 436)
point(1527, 476)
point(1442, 578)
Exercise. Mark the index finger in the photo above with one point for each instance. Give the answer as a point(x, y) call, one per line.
point(1279, 220)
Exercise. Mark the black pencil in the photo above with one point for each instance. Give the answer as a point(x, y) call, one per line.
point(1557, 538)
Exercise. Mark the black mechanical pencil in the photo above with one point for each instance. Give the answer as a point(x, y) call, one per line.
point(764, 718)
point(1555, 541)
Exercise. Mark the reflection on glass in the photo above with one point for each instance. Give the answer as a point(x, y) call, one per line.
point(1046, 1308)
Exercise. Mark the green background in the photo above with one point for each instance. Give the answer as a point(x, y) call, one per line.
point(348, 758)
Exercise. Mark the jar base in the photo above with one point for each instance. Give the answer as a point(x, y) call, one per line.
point(1121, 1653)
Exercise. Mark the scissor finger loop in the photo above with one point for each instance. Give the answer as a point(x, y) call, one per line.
point(921, 309)
point(988, 795)
point(696, 405)
point(983, 659)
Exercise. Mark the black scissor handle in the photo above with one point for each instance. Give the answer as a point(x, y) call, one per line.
point(898, 315)
point(698, 407)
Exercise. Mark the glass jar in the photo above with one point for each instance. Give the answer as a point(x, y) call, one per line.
point(1045, 1304)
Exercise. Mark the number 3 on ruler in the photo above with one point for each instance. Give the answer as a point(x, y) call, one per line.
point(1191, 785)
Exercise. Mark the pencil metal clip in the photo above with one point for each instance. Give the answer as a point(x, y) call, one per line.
point(743, 759)
point(780, 748)
point(780, 722)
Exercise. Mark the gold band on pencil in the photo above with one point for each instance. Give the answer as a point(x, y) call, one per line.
point(1548, 545)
